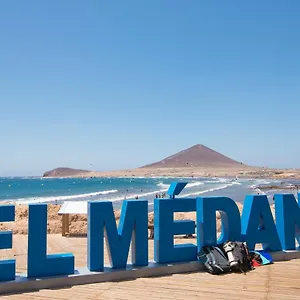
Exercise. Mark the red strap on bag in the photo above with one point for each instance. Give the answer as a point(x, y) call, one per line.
point(255, 263)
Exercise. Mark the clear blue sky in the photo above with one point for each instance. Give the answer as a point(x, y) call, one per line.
point(117, 84)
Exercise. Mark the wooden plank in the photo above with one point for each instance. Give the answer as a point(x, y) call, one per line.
point(67, 224)
point(63, 227)
point(277, 281)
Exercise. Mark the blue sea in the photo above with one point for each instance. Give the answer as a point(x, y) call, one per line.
point(57, 190)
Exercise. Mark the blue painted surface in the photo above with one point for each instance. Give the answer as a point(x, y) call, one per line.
point(7, 213)
point(7, 267)
point(5, 240)
point(133, 226)
point(206, 221)
point(258, 225)
point(40, 264)
point(165, 227)
point(176, 188)
point(287, 212)
point(183, 227)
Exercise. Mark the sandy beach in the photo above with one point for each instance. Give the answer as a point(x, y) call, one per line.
point(243, 172)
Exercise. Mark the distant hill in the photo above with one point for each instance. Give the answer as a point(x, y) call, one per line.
point(195, 156)
point(61, 172)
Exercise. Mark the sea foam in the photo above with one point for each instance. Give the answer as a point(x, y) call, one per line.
point(60, 198)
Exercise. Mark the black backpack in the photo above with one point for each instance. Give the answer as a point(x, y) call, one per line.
point(214, 260)
point(240, 254)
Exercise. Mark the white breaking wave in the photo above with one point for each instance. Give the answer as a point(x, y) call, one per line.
point(163, 185)
point(189, 185)
point(209, 190)
point(60, 198)
point(119, 197)
point(217, 180)
point(236, 183)
point(222, 180)
point(192, 184)
point(211, 181)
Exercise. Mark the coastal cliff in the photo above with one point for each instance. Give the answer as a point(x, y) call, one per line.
point(64, 172)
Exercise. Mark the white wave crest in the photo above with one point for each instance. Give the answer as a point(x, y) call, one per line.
point(209, 190)
point(262, 181)
point(163, 185)
point(236, 183)
point(189, 185)
point(222, 180)
point(193, 184)
point(206, 191)
point(210, 181)
point(216, 180)
point(60, 198)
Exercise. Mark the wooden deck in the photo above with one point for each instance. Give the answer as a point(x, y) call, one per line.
point(277, 281)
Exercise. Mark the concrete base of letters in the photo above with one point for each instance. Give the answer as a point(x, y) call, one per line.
point(84, 276)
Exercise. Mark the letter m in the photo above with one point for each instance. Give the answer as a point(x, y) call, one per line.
point(133, 227)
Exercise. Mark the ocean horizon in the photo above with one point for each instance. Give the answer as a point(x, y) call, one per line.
point(27, 190)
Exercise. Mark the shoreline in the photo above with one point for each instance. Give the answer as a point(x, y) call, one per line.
point(205, 172)
point(160, 186)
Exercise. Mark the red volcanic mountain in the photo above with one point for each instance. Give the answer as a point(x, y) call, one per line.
point(196, 156)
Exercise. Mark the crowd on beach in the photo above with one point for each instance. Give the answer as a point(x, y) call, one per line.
point(157, 195)
point(162, 195)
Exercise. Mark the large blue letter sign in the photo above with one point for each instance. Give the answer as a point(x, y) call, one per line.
point(258, 224)
point(133, 225)
point(206, 221)
point(39, 263)
point(287, 213)
point(7, 267)
point(165, 228)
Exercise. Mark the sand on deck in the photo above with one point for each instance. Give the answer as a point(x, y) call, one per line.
point(277, 281)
